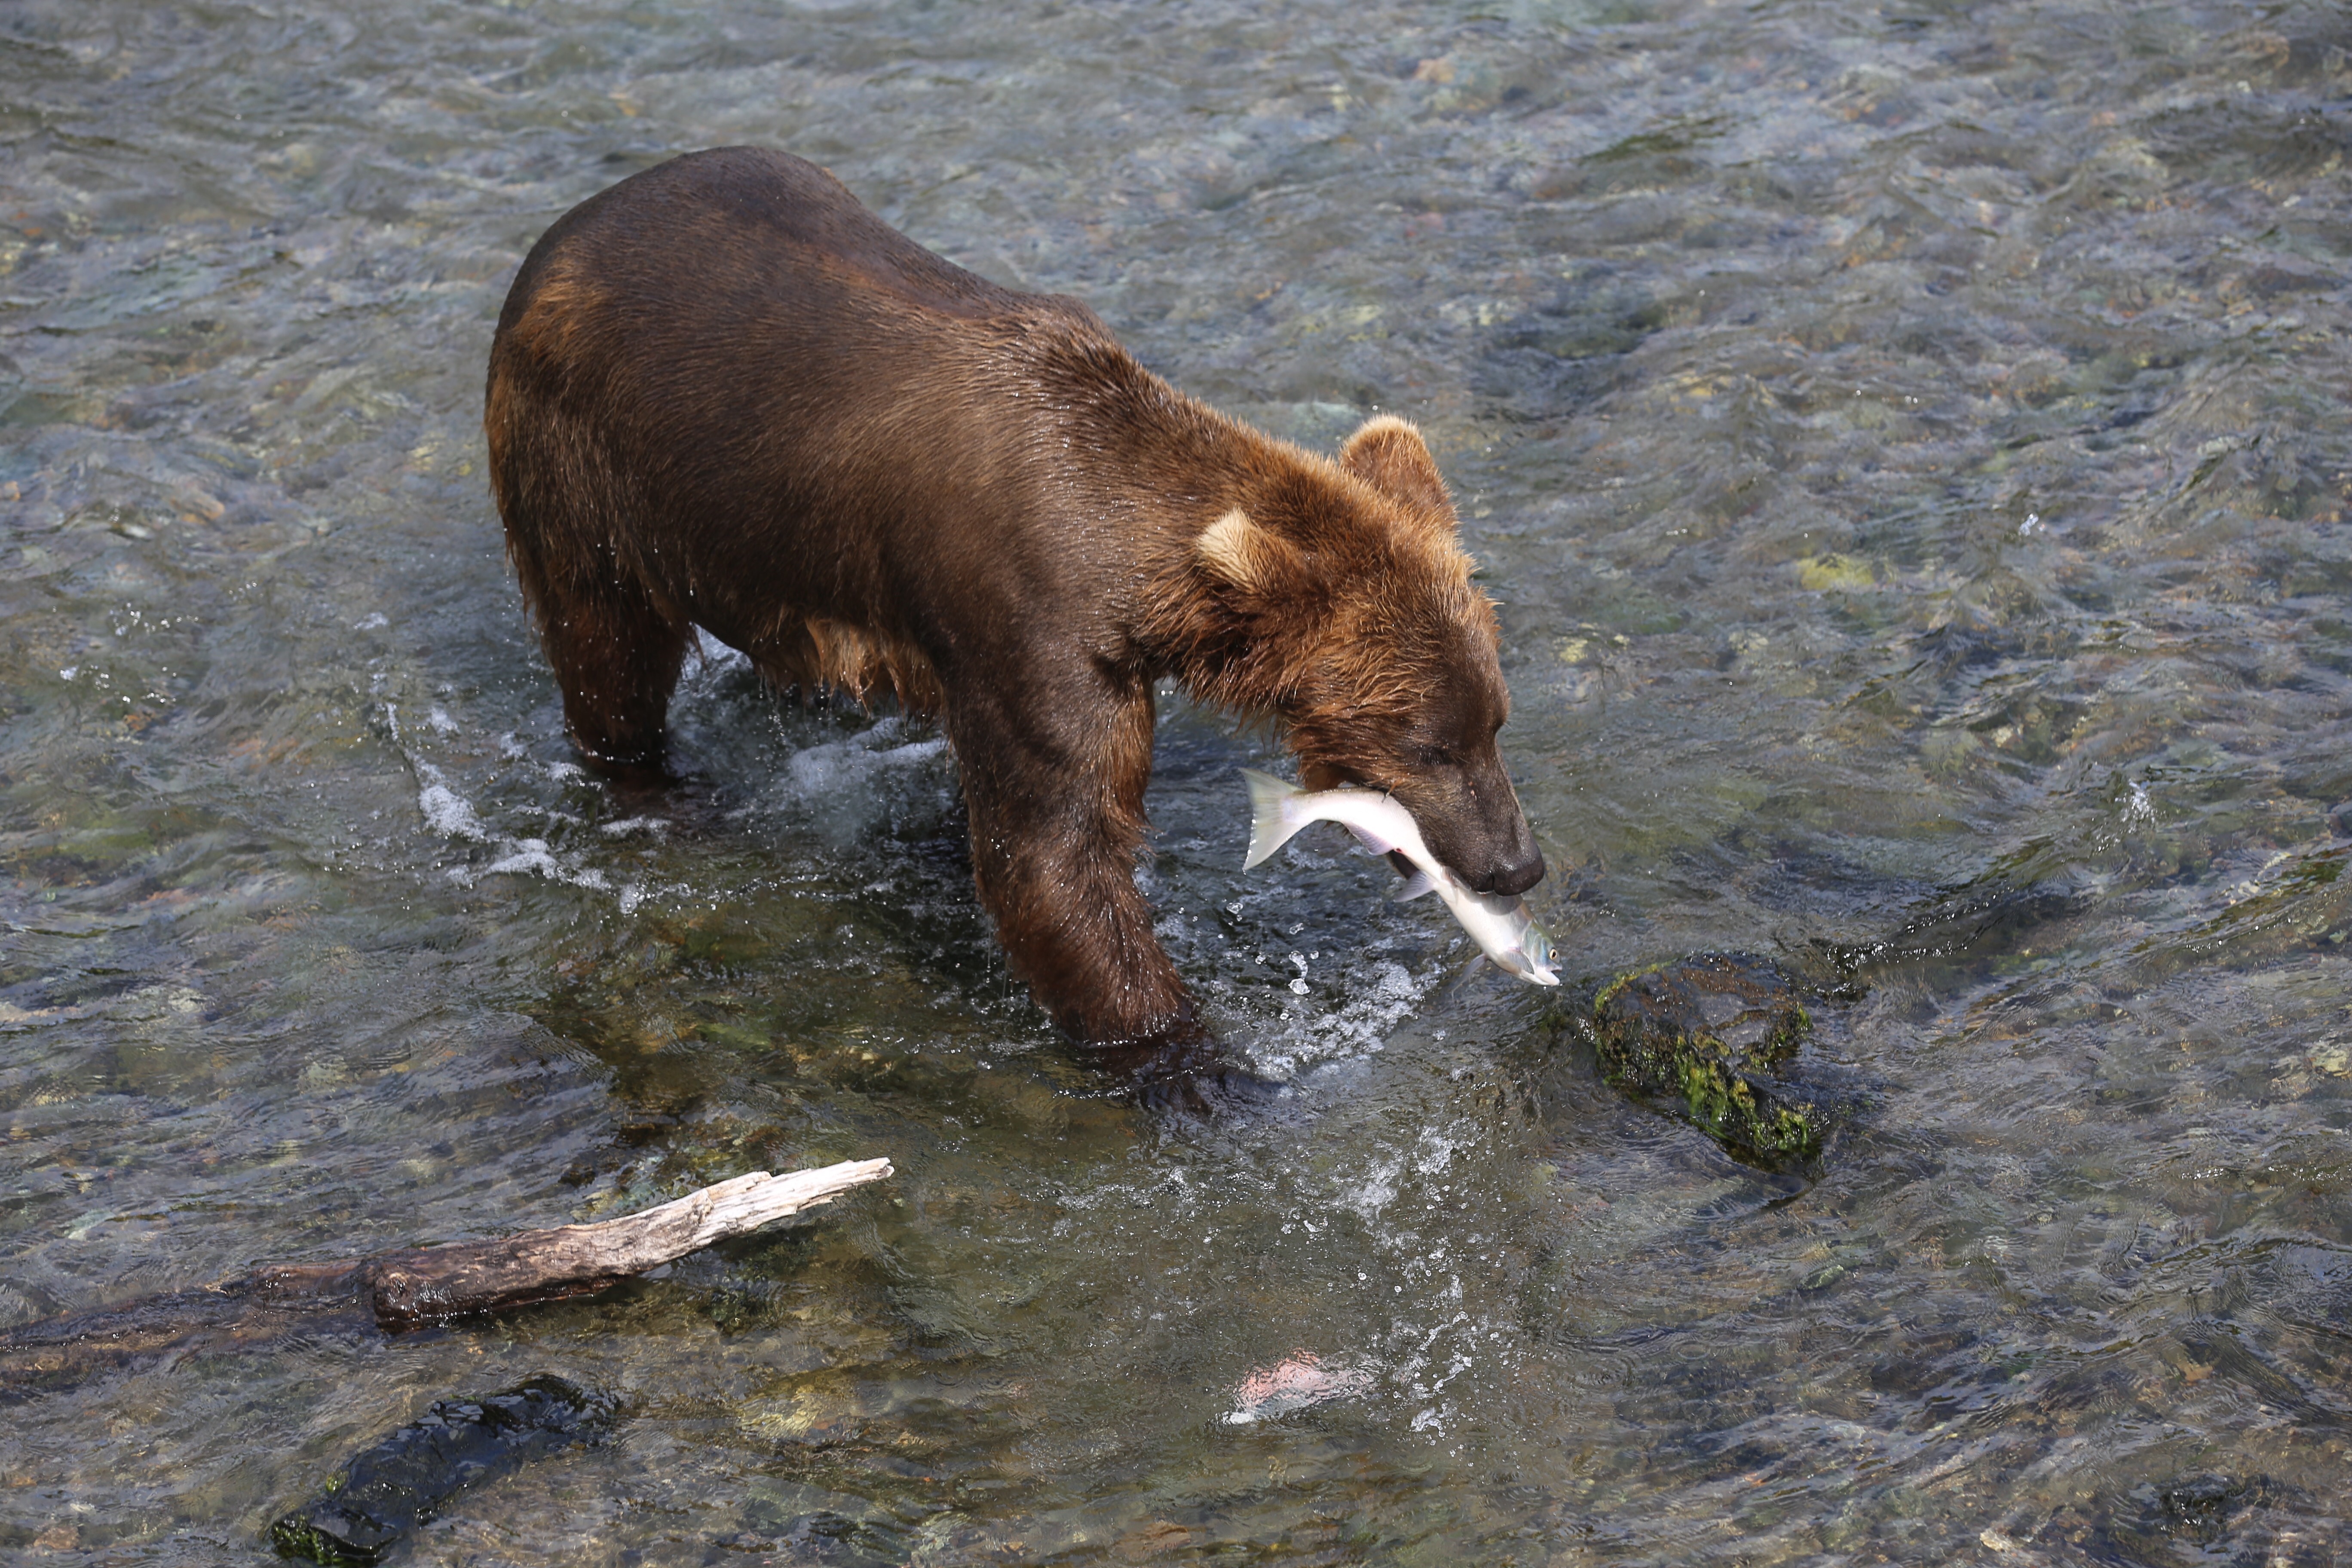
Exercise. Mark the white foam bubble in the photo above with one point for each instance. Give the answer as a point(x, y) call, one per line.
point(525, 854)
point(533, 855)
point(1372, 997)
point(453, 816)
point(447, 812)
point(1377, 1190)
point(845, 789)
point(843, 764)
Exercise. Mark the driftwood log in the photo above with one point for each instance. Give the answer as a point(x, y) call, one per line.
point(395, 1292)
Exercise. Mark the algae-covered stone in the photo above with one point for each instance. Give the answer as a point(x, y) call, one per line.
point(1703, 1036)
point(399, 1483)
point(1838, 574)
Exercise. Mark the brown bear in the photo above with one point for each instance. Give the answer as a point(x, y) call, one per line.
point(723, 394)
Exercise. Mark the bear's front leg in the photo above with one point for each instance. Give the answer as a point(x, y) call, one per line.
point(1055, 790)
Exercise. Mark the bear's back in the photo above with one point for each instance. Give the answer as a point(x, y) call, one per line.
point(758, 224)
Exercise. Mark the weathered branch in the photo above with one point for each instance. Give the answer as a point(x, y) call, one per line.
point(407, 1288)
point(394, 1291)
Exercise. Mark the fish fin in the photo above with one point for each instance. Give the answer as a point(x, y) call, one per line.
point(1417, 884)
point(1271, 827)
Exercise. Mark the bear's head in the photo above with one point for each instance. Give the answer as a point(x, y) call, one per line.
point(1339, 600)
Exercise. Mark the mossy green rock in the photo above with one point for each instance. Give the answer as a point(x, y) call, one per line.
point(1703, 1038)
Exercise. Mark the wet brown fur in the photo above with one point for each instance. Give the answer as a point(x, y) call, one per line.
point(724, 393)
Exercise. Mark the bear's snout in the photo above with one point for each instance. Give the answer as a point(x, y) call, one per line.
point(1521, 868)
point(1471, 820)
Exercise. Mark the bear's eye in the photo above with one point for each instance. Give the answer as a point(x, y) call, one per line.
point(1435, 756)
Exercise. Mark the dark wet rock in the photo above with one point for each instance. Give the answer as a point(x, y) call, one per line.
point(1704, 1038)
point(742, 1305)
point(2010, 909)
point(1661, 157)
point(823, 1536)
point(402, 1481)
point(2220, 1349)
point(2196, 1506)
point(2095, 1389)
point(1568, 349)
point(2206, 1516)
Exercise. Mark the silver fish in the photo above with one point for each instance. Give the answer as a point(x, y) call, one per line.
point(1502, 926)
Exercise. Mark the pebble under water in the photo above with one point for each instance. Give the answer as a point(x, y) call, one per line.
point(1909, 442)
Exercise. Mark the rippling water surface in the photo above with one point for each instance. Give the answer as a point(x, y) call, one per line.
point(1909, 444)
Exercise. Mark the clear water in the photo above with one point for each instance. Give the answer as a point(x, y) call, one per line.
point(1909, 444)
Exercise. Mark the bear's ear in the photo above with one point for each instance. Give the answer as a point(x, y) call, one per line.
point(1239, 552)
point(1389, 454)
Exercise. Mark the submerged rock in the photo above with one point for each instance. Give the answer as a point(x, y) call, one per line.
point(1704, 1038)
point(399, 1483)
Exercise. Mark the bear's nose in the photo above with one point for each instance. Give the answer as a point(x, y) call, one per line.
point(1517, 871)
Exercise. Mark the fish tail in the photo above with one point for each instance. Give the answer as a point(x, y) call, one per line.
point(1271, 822)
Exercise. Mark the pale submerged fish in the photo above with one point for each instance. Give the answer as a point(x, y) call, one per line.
point(1300, 1379)
point(1502, 926)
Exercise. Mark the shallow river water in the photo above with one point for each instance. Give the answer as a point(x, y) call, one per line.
point(1909, 442)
